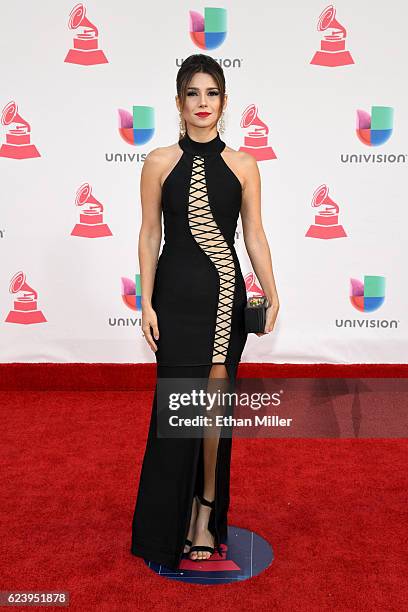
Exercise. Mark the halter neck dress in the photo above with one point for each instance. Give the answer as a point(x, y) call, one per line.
point(199, 297)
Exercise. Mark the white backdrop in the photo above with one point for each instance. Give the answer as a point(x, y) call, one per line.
point(308, 112)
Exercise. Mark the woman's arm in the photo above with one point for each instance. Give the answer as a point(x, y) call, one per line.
point(149, 239)
point(255, 239)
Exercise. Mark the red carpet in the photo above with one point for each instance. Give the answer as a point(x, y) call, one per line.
point(334, 511)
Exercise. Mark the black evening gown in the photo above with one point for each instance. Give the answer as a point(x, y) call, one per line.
point(199, 297)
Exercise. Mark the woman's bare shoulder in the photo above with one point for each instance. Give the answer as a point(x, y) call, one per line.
point(162, 153)
point(159, 159)
point(241, 157)
point(240, 163)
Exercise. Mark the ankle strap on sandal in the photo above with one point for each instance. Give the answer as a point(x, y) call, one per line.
point(205, 502)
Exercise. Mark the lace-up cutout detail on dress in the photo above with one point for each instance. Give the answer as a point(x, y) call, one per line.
point(209, 237)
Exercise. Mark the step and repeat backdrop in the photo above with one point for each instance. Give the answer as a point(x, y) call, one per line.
point(316, 93)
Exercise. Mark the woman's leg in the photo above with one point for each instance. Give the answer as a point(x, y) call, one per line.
point(191, 529)
point(202, 536)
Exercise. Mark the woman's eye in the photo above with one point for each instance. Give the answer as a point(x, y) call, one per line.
point(211, 93)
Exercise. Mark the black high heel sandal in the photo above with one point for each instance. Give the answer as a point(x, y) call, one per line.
point(210, 549)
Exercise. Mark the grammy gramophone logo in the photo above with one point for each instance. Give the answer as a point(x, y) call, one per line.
point(208, 31)
point(256, 137)
point(91, 223)
point(18, 136)
point(332, 51)
point(85, 51)
point(326, 223)
point(25, 309)
point(251, 286)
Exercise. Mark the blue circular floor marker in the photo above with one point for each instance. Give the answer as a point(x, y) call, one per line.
point(244, 555)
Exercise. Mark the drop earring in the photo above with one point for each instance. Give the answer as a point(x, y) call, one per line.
point(221, 124)
point(182, 128)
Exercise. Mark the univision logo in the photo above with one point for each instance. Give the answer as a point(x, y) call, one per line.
point(367, 296)
point(375, 129)
point(132, 298)
point(132, 292)
point(136, 128)
point(208, 31)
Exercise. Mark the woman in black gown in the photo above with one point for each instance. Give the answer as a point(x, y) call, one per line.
point(194, 320)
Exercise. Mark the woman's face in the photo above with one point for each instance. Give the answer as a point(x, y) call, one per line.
point(203, 96)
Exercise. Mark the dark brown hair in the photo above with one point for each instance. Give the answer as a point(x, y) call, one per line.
point(199, 62)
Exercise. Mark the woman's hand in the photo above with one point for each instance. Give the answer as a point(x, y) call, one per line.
point(149, 320)
point(271, 314)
